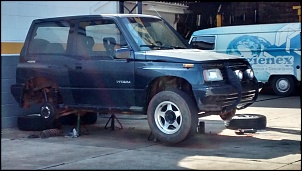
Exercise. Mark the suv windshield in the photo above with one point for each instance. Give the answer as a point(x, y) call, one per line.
point(152, 33)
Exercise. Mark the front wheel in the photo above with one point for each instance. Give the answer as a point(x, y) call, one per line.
point(172, 116)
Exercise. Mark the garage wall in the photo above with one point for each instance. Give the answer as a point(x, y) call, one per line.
point(9, 108)
point(16, 17)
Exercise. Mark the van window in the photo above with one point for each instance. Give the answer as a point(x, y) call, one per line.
point(204, 42)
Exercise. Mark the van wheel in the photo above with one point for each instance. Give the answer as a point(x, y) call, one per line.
point(34, 122)
point(246, 121)
point(172, 116)
point(283, 85)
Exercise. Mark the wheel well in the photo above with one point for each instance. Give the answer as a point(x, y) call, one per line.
point(35, 89)
point(167, 82)
point(273, 76)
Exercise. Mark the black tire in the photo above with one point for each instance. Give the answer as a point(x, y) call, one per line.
point(283, 85)
point(246, 121)
point(70, 119)
point(87, 119)
point(164, 124)
point(34, 122)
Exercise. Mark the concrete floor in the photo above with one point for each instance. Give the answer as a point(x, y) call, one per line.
point(278, 147)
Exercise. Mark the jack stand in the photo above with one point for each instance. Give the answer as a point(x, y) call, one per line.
point(112, 126)
point(78, 125)
point(78, 128)
point(201, 127)
point(154, 138)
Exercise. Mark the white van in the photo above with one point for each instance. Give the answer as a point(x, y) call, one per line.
point(273, 50)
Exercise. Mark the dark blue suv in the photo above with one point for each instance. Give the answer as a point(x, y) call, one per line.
point(129, 63)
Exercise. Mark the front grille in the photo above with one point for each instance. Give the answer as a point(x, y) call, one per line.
point(228, 100)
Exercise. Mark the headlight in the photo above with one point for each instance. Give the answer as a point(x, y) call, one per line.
point(212, 75)
point(250, 73)
point(239, 74)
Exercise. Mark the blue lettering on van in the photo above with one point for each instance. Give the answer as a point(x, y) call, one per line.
point(288, 60)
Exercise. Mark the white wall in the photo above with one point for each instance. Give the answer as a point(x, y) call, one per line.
point(165, 10)
point(16, 16)
point(169, 17)
point(105, 7)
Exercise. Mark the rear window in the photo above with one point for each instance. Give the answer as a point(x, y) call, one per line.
point(49, 38)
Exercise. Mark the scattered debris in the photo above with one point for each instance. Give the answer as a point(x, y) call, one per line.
point(243, 131)
point(50, 133)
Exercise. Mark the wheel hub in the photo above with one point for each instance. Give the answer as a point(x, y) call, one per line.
point(283, 85)
point(170, 116)
point(45, 112)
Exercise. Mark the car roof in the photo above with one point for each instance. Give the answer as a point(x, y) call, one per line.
point(75, 17)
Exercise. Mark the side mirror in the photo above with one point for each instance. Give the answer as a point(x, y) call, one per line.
point(122, 53)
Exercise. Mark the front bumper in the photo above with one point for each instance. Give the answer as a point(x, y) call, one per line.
point(224, 98)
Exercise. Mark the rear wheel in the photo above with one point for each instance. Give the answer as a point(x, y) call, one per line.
point(34, 122)
point(172, 116)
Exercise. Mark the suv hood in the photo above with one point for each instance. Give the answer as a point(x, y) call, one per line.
point(186, 55)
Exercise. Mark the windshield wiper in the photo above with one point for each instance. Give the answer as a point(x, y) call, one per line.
point(162, 46)
point(173, 47)
point(151, 46)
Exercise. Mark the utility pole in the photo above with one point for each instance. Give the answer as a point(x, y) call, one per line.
point(299, 11)
point(218, 17)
